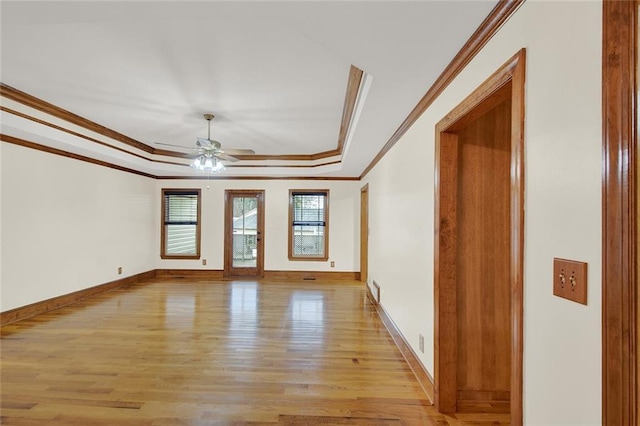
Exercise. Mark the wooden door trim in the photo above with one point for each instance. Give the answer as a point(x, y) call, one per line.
point(619, 220)
point(364, 234)
point(511, 73)
point(228, 239)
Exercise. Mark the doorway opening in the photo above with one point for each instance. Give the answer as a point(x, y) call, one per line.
point(479, 248)
point(364, 233)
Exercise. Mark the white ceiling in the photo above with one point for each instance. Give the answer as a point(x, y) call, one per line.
point(274, 73)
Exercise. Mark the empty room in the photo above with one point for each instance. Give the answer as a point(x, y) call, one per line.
point(310, 212)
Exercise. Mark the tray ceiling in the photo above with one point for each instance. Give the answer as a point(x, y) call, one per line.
point(275, 74)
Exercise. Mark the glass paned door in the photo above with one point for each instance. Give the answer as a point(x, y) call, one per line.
point(245, 232)
point(243, 236)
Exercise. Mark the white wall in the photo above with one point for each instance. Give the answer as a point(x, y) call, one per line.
point(68, 225)
point(344, 222)
point(563, 139)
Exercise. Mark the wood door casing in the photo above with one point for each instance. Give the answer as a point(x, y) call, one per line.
point(620, 292)
point(504, 89)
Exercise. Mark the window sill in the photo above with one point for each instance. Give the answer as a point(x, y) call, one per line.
point(174, 257)
point(310, 259)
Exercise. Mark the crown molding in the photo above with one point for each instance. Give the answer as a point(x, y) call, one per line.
point(46, 107)
point(353, 89)
point(226, 177)
point(44, 148)
point(80, 135)
point(63, 153)
point(157, 152)
point(487, 29)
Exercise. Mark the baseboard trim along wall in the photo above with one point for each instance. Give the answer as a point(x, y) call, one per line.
point(312, 275)
point(214, 274)
point(423, 376)
point(210, 274)
point(372, 298)
point(44, 306)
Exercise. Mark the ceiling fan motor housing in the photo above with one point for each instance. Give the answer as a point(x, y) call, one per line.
point(208, 144)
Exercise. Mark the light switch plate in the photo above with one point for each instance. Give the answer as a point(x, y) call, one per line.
point(570, 280)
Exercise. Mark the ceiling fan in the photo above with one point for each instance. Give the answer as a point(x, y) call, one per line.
point(209, 152)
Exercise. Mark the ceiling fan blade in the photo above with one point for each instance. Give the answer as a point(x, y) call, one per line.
point(226, 157)
point(239, 151)
point(175, 146)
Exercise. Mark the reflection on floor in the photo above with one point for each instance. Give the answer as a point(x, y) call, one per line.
point(213, 352)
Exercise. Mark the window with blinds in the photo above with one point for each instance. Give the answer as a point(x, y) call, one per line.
point(308, 233)
point(180, 223)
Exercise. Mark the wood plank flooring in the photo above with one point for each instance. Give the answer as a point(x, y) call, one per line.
point(187, 352)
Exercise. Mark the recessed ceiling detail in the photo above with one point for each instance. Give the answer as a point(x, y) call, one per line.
point(280, 81)
point(23, 102)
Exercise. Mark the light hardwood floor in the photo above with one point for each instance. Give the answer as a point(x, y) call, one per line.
point(186, 352)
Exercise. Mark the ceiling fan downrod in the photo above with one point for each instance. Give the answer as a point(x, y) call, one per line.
point(209, 117)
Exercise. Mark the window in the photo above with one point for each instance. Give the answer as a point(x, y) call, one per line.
point(309, 224)
point(180, 224)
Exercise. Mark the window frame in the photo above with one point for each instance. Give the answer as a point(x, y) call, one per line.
point(163, 226)
point(292, 193)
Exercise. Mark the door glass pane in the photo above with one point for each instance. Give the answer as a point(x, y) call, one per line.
point(245, 230)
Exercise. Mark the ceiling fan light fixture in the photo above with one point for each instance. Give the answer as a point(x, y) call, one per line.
point(198, 163)
point(208, 164)
point(209, 152)
point(219, 167)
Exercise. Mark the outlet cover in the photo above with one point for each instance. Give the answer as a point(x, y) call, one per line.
point(570, 280)
point(119, 270)
point(421, 343)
